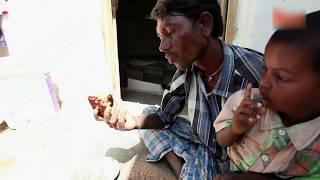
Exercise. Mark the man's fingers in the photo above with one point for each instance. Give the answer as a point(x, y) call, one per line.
point(131, 122)
point(115, 114)
point(121, 120)
point(107, 113)
point(247, 93)
point(115, 109)
point(109, 104)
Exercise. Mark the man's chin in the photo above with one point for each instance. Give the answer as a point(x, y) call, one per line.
point(181, 67)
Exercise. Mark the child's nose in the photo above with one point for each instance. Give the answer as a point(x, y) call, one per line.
point(264, 82)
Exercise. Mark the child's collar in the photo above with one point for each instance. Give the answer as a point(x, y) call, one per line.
point(301, 135)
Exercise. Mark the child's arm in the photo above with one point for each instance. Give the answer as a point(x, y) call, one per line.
point(226, 137)
point(246, 116)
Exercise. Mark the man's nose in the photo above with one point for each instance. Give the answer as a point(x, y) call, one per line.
point(164, 45)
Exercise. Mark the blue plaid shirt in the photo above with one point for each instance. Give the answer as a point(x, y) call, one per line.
point(187, 90)
point(240, 66)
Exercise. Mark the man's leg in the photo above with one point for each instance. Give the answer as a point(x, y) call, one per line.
point(198, 161)
point(178, 145)
point(175, 162)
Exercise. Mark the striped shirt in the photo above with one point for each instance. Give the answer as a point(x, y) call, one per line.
point(191, 136)
point(240, 66)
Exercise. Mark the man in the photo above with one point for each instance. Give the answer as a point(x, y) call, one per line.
point(209, 71)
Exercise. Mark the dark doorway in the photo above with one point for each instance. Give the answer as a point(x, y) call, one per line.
point(139, 56)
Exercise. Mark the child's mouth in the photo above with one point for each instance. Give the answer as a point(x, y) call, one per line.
point(265, 99)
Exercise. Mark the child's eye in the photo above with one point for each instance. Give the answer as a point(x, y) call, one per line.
point(280, 78)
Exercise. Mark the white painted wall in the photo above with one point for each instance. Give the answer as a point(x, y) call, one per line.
point(63, 37)
point(254, 19)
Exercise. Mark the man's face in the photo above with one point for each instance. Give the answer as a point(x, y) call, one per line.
point(181, 40)
point(290, 85)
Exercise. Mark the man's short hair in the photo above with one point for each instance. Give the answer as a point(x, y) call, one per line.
point(190, 9)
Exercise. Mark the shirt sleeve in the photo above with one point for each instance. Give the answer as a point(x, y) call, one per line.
point(173, 100)
point(224, 119)
point(172, 107)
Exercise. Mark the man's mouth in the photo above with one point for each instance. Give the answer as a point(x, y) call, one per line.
point(169, 58)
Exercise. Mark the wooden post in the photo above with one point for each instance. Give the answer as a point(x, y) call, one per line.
point(231, 19)
point(111, 45)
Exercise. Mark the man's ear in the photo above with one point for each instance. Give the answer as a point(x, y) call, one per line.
point(206, 23)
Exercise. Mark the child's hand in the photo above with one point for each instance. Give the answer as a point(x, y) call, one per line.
point(247, 114)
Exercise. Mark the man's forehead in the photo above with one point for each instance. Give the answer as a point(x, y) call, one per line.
point(171, 20)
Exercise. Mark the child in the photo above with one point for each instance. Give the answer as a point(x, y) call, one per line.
point(275, 129)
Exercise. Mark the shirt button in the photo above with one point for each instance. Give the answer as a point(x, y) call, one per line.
point(264, 158)
point(282, 132)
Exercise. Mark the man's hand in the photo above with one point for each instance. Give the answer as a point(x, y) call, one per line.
point(247, 114)
point(117, 117)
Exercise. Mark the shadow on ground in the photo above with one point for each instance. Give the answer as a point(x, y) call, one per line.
point(141, 169)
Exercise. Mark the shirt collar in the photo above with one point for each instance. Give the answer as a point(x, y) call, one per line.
point(304, 134)
point(301, 135)
point(226, 76)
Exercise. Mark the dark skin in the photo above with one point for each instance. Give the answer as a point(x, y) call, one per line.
point(289, 83)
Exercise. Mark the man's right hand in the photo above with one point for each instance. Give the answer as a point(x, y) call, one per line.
point(117, 116)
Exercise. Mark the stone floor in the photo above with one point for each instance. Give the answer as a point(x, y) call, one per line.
point(142, 170)
point(72, 146)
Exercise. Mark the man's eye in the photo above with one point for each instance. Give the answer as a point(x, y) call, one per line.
point(170, 33)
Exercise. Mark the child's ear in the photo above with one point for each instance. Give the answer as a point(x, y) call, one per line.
point(206, 23)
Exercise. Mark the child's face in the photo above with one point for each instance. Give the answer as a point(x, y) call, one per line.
point(290, 85)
